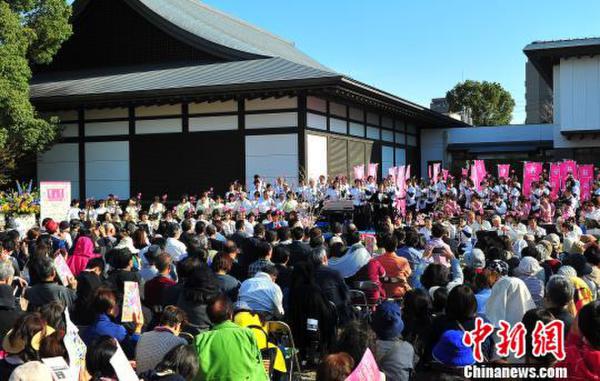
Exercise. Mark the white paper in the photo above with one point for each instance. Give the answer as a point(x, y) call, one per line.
point(75, 346)
point(122, 367)
point(60, 369)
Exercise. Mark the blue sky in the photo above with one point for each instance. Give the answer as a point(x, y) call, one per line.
point(419, 49)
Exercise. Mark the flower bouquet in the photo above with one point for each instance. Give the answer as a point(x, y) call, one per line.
point(23, 204)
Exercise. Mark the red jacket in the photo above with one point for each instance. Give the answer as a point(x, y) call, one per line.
point(582, 361)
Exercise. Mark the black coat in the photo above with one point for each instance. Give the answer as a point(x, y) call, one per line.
point(299, 252)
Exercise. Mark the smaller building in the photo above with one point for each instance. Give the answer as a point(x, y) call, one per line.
point(563, 98)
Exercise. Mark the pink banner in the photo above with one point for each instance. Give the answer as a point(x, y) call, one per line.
point(554, 180)
point(464, 172)
point(436, 171)
point(366, 370)
point(445, 173)
point(531, 173)
point(586, 171)
point(359, 172)
point(481, 172)
point(373, 170)
point(567, 167)
point(503, 171)
point(586, 179)
point(429, 173)
point(407, 172)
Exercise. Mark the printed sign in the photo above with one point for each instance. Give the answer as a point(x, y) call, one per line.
point(131, 301)
point(366, 370)
point(75, 346)
point(62, 270)
point(122, 366)
point(55, 198)
point(60, 369)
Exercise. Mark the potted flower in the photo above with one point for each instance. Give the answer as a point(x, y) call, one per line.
point(22, 204)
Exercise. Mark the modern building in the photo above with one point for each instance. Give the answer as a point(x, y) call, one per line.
point(571, 70)
point(174, 96)
point(441, 105)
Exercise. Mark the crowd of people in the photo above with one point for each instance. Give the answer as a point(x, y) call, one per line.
point(215, 273)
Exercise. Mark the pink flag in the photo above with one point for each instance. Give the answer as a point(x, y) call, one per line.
point(400, 204)
point(464, 172)
point(400, 179)
point(475, 178)
point(359, 172)
point(503, 171)
point(554, 180)
point(586, 178)
point(436, 171)
point(392, 173)
point(407, 172)
point(531, 173)
point(429, 175)
point(481, 172)
point(567, 167)
point(445, 173)
point(373, 170)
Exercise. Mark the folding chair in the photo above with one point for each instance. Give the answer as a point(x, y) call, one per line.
point(267, 354)
point(285, 340)
point(367, 286)
point(360, 303)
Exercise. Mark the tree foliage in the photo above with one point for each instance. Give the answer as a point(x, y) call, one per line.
point(487, 102)
point(31, 32)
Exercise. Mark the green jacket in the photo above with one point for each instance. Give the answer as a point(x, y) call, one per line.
point(229, 352)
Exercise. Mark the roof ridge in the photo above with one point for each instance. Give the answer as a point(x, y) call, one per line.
point(202, 4)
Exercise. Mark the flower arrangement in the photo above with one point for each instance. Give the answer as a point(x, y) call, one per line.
point(23, 200)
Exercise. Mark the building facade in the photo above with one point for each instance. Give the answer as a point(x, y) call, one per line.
point(563, 97)
point(176, 97)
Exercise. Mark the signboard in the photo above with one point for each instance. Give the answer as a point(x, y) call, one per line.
point(55, 199)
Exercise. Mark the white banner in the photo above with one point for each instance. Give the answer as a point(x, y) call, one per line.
point(55, 200)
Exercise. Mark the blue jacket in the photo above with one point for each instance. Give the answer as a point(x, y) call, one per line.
point(104, 326)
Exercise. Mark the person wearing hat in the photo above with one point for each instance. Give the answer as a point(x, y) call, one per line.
point(22, 343)
point(450, 357)
point(395, 356)
point(528, 271)
point(558, 299)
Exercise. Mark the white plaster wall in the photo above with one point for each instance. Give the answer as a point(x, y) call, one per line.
point(387, 159)
point(316, 156)
point(271, 156)
point(272, 120)
point(60, 163)
point(213, 123)
point(106, 128)
point(158, 126)
point(107, 169)
point(316, 121)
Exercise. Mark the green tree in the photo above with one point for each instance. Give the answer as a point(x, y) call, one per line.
point(488, 103)
point(31, 32)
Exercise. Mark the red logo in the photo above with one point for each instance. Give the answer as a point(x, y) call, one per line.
point(545, 338)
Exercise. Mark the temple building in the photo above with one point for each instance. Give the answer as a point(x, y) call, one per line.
point(175, 97)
